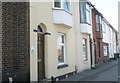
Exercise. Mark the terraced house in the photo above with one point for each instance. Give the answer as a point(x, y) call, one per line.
point(54, 54)
point(57, 38)
point(97, 58)
point(36, 43)
point(83, 28)
point(104, 39)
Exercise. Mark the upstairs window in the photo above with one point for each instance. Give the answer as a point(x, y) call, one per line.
point(57, 3)
point(103, 27)
point(66, 5)
point(98, 22)
point(85, 12)
point(62, 4)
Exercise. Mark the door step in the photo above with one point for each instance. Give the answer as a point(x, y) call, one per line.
point(44, 80)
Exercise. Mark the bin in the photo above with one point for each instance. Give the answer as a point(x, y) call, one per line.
point(115, 56)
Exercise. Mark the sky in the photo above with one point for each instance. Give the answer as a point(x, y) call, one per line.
point(109, 9)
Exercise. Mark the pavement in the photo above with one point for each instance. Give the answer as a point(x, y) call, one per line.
point(81, 76)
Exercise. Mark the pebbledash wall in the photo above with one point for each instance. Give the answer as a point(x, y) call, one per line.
point(14, 41)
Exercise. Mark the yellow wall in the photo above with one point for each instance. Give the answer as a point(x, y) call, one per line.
point(41, 12)
point(87, 64)
point(80, 63)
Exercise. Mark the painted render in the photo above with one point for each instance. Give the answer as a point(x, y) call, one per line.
point(41, 14)
point(44, 18)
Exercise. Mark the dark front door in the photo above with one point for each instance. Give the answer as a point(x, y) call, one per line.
point(41, 68)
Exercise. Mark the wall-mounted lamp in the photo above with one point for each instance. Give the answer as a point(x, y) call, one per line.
point(46, 33)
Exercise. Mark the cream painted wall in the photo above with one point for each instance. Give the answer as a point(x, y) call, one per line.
point(87, 64)
point(78, 37)
point(80, 64)
point(41, 12)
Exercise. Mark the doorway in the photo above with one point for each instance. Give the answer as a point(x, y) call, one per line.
point(40, 47)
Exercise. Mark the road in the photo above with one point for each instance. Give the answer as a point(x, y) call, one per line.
point(109, 74)
point(106, 72)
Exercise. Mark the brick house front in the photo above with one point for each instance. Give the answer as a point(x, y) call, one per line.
point(97, 36)
point(14, 41)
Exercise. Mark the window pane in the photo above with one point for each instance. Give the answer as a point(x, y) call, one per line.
point(61, 48)
point(87, 7)
point(57, 3)
point(66, 5)
point(85, 49)
point(59, 39)
point(100, 19)
point(97, 19)
point(84, 42)
point(82, 12)
point(105, 50)
point(103, 27)
point(88, 16)
point(60, 54)
point(97, 27)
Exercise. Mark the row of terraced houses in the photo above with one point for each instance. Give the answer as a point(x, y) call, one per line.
point(57, 38)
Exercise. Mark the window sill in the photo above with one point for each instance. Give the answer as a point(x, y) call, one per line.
point(62, 66)
point(86, 61)
point(62, 10)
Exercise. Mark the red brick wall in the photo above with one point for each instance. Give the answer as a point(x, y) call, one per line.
point(96, 39)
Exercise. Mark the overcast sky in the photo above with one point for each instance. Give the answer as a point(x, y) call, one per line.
point(109, 9)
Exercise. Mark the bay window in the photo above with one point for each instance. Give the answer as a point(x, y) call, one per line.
point(85, 12)
point(61, 48)
point(98, 23)
point(62, 4)
point(57, 4)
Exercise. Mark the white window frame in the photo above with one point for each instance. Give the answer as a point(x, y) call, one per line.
point(84, 17)
point(62, 5)
point(64, 46)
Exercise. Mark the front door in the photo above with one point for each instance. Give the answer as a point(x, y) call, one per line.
point(41, 68)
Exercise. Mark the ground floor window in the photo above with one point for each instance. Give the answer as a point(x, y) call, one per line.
point(85, 50)
point(105, 50)
point(61, 48)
